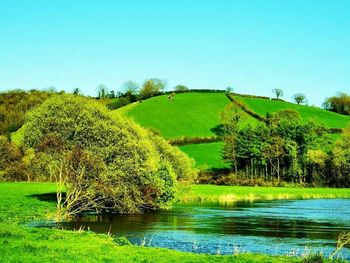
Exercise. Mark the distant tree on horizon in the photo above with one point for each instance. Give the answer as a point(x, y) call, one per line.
point(180, 88)
point(151, 87)
point(229, 89)
point(111, 94)
point(131, 87)
point(299, 98)
point(278, 92)
point(102, 91)
point(76, 91)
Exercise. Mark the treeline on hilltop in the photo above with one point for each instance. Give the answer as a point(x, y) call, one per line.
point(284, 149)
point(132, 91)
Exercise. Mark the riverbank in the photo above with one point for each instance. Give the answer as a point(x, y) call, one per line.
point(22, 203)
point(231, 194)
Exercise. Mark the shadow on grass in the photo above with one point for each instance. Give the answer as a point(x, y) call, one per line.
point(47, 197)
point(218, 130)
point(219, 171)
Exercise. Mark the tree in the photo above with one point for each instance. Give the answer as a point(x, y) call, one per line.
point(278, 93)
point(130, 87)
point(111, 94)
point(229, 90)
point(51, 89)
point(299, 98)
point(273, 151)
point(341, 159)
point(152, 87)
point(102, 91)
point(316, 161)
point(180, 88)
point(339, 103)
point(76, 91)
point(106, 163)
point(230, 119)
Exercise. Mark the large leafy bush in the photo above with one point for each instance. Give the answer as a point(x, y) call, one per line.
point(106, 163)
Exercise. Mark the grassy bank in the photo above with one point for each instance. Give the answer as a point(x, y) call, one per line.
point(229, 194)
point(22, 203)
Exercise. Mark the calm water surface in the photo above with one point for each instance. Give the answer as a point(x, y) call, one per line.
point(272, 227)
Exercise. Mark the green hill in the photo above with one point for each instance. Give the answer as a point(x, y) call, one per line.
point(264, 106)
point(197, 114)
point(189, 114)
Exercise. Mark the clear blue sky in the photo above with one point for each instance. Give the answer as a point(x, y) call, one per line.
point(251, 45)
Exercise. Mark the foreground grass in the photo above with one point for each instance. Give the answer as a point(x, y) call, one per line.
point(229, 194)
point(20, 204)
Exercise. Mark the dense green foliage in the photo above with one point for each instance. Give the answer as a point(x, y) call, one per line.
point(339, 104)
point(285, 149)
point(14, 105)
point(106, 163)
point(11, 167)
point(20, 205)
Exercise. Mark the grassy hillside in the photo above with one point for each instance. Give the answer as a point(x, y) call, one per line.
point(206, 155)
point(188, 115)
point(329, 119)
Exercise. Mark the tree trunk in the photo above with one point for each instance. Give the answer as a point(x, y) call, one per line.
point(278, 169)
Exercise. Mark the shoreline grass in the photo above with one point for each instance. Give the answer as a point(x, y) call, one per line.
point(232, 194)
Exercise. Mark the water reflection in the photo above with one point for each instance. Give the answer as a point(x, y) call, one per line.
point(275, 227)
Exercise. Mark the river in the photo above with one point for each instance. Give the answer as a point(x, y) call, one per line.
point(272, 227)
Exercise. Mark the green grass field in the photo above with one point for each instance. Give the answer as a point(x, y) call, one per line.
point(206, 155)
point(189, 115)
point(329, 119)
point(20, 242)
